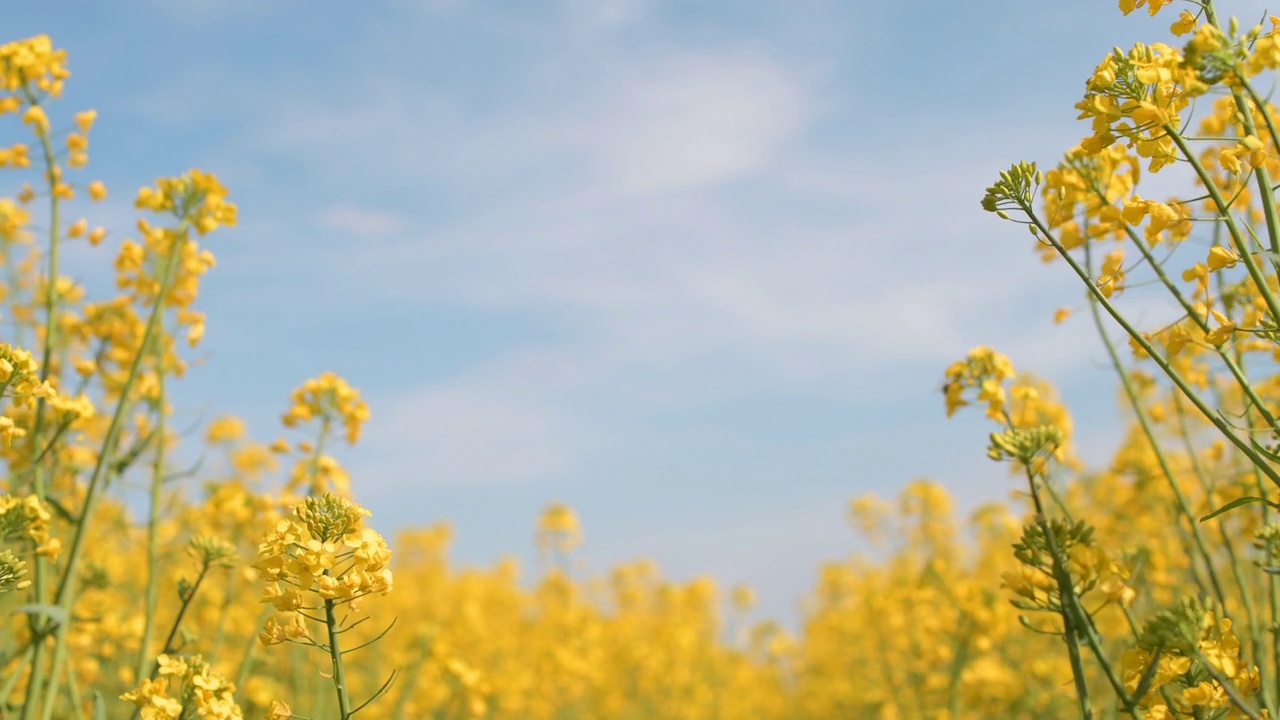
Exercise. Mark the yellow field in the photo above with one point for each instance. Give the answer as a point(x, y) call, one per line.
point(1148, 588)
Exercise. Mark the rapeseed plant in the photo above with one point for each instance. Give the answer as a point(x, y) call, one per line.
point(1148, 588)
point(1199, 384)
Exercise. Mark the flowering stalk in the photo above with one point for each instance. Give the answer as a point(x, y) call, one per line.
point(1016, 190)
point(210, 553)
point(335, 657)
point(1183, 505)
point(67, 589)
point(323, 553)
point(153, 521)
point(39, 627)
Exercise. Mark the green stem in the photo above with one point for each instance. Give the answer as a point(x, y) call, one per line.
point(1201, 321)
point(1246, 256)
point(335, 655)
point(246, 659)
point(1146, 346)
point(1229, 687)
point(1266, 195)
point(153, 521)
point(10, 682)
point(73, 688)
point(168, 647)
point(1184, 507)
point(406, 692)
point(220, 634)
point(40, 575)
point(1070, 631)
point(313, 465)
point(1233, 558)
point(67, 588)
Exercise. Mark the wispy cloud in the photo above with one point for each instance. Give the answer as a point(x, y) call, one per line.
point(361, 221)
point(607, 14)
point(691, 121)
point(471, 435)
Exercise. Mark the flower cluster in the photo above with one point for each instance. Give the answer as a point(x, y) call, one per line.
point(1025, 406)
point(324, 550)
point(329, 398)
point(1184, 662)
point(185, 688)
point(196, 197)
point(1139, 96)
point(559, 529)
point(33, 64)
point(985, 370)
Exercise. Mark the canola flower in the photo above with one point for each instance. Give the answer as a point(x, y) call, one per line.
point(1198, 383)
point(1146, 588)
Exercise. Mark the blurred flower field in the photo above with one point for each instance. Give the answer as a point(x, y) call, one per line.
point(256, 585)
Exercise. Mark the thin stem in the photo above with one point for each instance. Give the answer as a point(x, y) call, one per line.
point(153, 519)
point(335, 655)
point(40, 576)
point(246, 658)
point(168, 646)
point(1229, 687)
point(1131, 394)
point(1146, 346)
point(1070, 631)
point(67, 588)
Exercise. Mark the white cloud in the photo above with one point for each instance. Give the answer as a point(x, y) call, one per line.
point(640, 125)
point(361, 221)
point(203, 13)
point(696, 120)
point(468, 434)
point(438, 7)
point(673, 215)
point(660, 282)
point(606, 14)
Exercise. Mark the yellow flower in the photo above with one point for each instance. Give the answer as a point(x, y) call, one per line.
point(84, 120)
point(1207, 693)
point(1220, 257)
point(153, 701)
point(1135, 209)
point(78, 228)
point(558, 528)
point(226, 429)
point(954, 397)
point(1185, 23)
point(1113, 274)
point(170, 665)
point(15, 156)
point(35, 117)
point(1223, 333)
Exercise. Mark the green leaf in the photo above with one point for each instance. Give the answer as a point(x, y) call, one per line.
point(55, 613)
point(99, 706)
point(1238, 502)
point(1264, 451)
point(61, 510)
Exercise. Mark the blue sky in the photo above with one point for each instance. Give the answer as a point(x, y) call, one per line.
point(694, 268)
